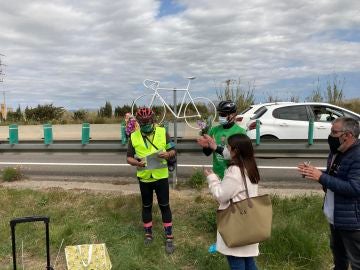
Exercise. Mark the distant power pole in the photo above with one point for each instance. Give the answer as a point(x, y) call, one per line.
point(1, 69)
point(3, 109)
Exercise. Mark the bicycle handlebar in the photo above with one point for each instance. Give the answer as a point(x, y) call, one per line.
point(153, 85)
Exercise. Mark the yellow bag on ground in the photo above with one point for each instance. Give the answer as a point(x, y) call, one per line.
point(87, 257)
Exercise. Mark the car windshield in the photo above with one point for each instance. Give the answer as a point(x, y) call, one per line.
point(259, 112)
point(246, 110)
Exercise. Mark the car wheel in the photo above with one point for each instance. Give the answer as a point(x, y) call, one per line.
point(269, 138)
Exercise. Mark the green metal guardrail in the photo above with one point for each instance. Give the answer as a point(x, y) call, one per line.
point(310, 132)
point(269, 149)
point(280, 148)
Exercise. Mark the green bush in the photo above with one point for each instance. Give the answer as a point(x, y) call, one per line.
point(10, 174)
point(197, 180)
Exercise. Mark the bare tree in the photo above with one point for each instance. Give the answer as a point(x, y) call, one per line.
point(316, 95)
point(333, 93)
point(233, 91)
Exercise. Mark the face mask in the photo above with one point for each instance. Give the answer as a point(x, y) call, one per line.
point(334, 143)
point(226, 153)
point(223, 120)
point(147, 128)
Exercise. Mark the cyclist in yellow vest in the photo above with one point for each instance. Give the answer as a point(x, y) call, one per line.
point(149, 149)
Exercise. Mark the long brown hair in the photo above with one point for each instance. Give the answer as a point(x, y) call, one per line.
point(244, 156)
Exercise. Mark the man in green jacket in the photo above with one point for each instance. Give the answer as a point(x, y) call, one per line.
point(214, 143)
point(149, 149)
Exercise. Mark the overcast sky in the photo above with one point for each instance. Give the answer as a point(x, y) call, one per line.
point(79, 54)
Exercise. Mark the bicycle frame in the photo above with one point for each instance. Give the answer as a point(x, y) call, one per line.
point(187, 93)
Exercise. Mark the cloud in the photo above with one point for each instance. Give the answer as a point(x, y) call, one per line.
point(80, 54)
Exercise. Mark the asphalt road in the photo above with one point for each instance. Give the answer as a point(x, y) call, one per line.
point(112, 167)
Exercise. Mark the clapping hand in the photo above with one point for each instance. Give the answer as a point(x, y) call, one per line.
point(202, 141)
point(207, 172)
point(309, 171)
point(207, 142)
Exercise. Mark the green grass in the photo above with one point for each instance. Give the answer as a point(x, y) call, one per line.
point(299, 240)
point(10, 174)
point(197, 180)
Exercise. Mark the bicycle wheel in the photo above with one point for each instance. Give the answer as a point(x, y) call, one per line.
point(150, 101)
point(199, 111)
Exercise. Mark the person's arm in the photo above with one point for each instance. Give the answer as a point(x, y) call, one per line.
point(170, 149)
point(229, 187)
point(203, 142)
point(209, 145)
point(350, 186)
point(130, 156)
point(213, 146)
point(207, 151)
point(135, 162)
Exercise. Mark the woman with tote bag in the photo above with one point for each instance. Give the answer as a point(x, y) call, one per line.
point(233, 189)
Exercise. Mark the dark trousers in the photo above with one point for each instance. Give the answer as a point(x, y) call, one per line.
point(345, 246)
point(161, 188)
point(241, 263)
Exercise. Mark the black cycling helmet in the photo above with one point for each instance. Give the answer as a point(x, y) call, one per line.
point(227, 107)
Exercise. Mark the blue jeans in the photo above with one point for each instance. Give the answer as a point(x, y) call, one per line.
point(241, 263)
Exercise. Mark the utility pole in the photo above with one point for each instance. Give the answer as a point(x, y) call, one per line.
point(1, 69)
point(3, 105)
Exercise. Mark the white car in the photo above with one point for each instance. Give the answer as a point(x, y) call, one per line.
point(245, 116)
point(291, 121)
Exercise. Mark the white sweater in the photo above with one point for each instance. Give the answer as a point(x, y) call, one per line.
point(232, 187)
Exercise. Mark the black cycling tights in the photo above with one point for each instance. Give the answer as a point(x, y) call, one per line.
point(161, 188)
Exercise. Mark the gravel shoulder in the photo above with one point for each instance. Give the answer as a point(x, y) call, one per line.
point(130, 186)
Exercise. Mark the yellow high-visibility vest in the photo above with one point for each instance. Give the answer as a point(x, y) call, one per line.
point(143, 149)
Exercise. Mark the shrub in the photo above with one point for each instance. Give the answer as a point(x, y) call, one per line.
point(80, 115)
point(98, 120)
point(105, 111)
point(10, 174)
point(44, 113)
point(197, 180)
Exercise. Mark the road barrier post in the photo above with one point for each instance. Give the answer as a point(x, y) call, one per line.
point(311, 132)
point(123, 133)
point(85, 133)
point(48, 134)
point(13, 134)
point(257, 132)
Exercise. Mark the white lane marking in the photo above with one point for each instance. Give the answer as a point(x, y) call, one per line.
point(285, 168)
point(62, 164)
point(125, 164)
